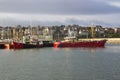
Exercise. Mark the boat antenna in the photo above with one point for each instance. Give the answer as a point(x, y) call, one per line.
point(92, 31)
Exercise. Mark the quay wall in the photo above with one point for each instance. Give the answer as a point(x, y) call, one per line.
point(109, 40)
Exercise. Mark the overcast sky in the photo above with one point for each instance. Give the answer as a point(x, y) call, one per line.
point(57, 12)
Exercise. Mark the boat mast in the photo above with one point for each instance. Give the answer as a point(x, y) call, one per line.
point(92, 31)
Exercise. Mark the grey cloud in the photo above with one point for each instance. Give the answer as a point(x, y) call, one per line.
point(68, 21)
point(12, 22)
point(90, 22)
point(57, 7)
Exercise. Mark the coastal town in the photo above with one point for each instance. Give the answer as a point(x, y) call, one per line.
point(57, 33)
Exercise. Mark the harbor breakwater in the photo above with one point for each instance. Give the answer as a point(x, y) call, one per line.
point(109, 40)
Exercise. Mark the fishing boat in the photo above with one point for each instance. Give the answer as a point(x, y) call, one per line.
point(18, 45)
point(73, 43)
point(94, 43)
point(27, 42)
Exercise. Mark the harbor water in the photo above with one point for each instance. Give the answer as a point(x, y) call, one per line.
point(61, 63)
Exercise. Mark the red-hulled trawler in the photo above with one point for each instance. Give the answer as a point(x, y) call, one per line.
point(28, 42)
point(95, 43)
point(90, 43)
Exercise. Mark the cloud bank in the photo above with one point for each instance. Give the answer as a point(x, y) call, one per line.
point(56, 12)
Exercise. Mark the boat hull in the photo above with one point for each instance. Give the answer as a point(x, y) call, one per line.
point(100, 43)
point(17, 45)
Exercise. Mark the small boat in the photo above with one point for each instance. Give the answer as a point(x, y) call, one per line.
point(6, 44)
point(94, 43)
point(18, 45)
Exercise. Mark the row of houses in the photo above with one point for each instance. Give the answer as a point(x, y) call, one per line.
point(58, 32)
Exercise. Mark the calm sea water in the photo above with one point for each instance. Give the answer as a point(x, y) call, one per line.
point(61, 64)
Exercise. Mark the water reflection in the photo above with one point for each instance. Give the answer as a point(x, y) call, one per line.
point(61, 64)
